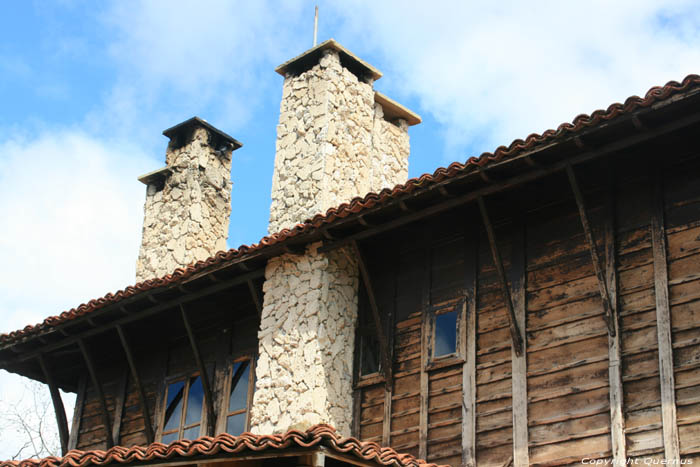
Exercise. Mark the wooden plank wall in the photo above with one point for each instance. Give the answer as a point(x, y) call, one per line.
point(568, 366)
point(235, 330)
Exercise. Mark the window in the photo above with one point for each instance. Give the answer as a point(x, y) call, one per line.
point(240, 386)
point(182, 418)
point(445, 338)
point(369, 354)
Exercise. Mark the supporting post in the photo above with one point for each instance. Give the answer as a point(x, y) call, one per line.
point(496, 255)
point(139, 385)
point(208, 396)
point(383, 347)
point(597, 265)
point(469, 342)
point(256, 297)
point(58, 407)
point(425, 353)
point(663, 324)
point(100, 393)
point(77, 413)
point(617, 419)
point(517, 274)
point(119, 405)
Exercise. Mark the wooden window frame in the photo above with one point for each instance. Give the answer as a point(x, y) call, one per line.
point(224, 412)
point(434, 362)
point(185, 377)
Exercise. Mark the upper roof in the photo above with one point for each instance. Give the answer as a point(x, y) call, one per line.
point(231, 447)
point(655, 99)
point(311, 57)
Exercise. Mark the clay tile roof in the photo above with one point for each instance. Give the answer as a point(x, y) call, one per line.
point(655, 96)
point(223, 444)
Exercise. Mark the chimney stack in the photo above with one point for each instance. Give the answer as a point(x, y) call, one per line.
point(337, 138)
point(188, 202)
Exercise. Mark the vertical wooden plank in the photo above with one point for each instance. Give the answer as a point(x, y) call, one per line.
point(119, 406)
point(137, 382)
point(100, 393)
point(519, 360)
point(222, 377)
point(58, 407)
point(469, 347)
point(617, 420)
point(425, 352)
point(389, 388)
point(77, 413)
point(162, 359)
point(663, 323)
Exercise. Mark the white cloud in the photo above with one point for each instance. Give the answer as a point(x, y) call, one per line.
point(71, 211)
point(492, 72)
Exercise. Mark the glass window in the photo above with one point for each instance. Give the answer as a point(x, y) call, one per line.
point(369, 355)
point(182, 419)
point(237, 409)
point(445, 342)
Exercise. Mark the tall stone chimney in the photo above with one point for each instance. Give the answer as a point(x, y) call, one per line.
point(337, 138)
point(188, 202)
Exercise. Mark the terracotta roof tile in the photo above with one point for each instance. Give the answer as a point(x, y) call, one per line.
point(653, 96)
point(318, 435)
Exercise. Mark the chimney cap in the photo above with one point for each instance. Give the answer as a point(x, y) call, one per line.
point(393, 110)
point(173, 131)
point(311, 57)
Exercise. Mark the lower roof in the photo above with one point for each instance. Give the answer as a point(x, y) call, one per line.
point(226, 446)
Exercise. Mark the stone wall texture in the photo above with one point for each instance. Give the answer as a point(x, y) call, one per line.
point(333, 144)
point(304, 369)
point(187, 220)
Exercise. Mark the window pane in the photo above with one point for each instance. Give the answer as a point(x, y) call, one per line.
point(370, 355)
point(169, 438)
point(445, 334)
point(191, 433)
point(238, 398)
point(235, 425)
point(194, 401)
point(174, 406)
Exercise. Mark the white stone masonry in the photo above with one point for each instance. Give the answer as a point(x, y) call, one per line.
point(187, 220)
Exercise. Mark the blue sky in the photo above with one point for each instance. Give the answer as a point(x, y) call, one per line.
point(87, 87)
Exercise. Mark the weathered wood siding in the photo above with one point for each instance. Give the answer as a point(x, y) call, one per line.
point(227, 328)
point(568, 365)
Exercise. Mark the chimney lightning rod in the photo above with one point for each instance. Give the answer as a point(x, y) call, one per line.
point(315, 25)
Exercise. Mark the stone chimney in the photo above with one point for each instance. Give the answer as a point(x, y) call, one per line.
point(337, 138)
point(188, 202)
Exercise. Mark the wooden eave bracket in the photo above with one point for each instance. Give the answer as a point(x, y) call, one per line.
point(515, 334)
point(383, 347)
point(58, 407)
point(98, 388)
point(595, 258)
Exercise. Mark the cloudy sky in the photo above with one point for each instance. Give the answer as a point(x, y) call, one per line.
point(87, 87)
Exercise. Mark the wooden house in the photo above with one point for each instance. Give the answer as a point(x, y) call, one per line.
point(536, 305)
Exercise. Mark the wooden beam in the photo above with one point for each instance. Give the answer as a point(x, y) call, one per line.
point(515, 334)
point(617, 417)
point(58, 407)
point(593, 249)
point(208, 396)
point(469, 368)
point(663, 324)
point(517, 275)
point(381, 336)
point(256, 297)
point(217, 287)
point(119, 401)
point(472, 195)
point(389, 389)
point(77, 413)
point(100, 393)
point(425, 353)
point(143, 401)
